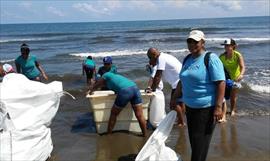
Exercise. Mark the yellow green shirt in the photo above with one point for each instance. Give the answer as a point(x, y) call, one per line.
point(232, 65)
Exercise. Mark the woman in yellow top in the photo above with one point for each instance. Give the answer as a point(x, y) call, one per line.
point(233, 62)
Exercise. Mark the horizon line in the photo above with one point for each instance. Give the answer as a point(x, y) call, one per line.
point(19, 23)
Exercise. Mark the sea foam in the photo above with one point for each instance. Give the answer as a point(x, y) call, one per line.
point(27, 39)
point(122, 53)
point(6, 61)
point(260, 88)
point(244, 39)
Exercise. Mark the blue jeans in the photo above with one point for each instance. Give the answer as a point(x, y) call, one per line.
point(129, 94)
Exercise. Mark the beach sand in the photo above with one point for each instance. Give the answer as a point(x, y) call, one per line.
point(243, 138)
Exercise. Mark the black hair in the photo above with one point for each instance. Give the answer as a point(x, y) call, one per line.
point(89, 57)
point(233, 42)
point(25, 47)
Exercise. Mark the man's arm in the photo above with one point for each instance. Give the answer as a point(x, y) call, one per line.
point(99, 83)
point(156, 80)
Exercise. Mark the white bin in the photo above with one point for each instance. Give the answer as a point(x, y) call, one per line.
point(101, 103)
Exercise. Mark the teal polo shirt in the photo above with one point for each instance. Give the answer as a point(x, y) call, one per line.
point(117, 82)
point(28, 66)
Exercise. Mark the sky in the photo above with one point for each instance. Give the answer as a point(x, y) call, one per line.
point(51, 11)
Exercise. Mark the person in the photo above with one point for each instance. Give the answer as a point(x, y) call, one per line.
point(233, 62)
point(127, 91)
point(107, 66)
point(89, 67)
point(5, 69)
point(168, 67)
point(157, 106)
point(28, 65)
point(201, 89)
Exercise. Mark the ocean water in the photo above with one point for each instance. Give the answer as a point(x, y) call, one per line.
point(61, 48)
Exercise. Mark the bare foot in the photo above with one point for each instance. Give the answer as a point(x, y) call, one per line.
point(181, 124)
point(223, 120)
point(233, 113)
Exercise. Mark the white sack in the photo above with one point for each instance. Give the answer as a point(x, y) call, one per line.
point(26, 111)
point(157, 108)
point(155, 148)
point(29, 104)
point(26, 145)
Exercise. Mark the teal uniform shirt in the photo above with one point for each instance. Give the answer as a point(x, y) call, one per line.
point(28, 66)
point(90, 63)
point(113, 69)
point(117, 82)
point(103, 70)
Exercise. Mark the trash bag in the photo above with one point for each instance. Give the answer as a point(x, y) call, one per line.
point(155, 148)
point(26, 111)
point(157, 108)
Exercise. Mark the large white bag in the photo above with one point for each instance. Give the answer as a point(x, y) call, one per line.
point(26, 111)
point(155, 148)
point(157, 108)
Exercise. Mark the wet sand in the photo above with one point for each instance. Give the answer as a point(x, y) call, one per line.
point(243, 138)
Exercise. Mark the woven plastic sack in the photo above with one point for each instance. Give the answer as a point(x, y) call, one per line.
point(155, 148)
point(26, 111)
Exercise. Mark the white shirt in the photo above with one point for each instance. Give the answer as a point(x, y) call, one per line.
point(170, 67)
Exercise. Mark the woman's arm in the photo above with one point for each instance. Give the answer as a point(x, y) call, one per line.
point(220, 88)
point(242, 68)
point(18, 67)
point(177, 94)
point(41, 70)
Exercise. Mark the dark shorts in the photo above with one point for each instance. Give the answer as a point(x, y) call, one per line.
point(130, 94)
point(89, 67)
point(89, 70)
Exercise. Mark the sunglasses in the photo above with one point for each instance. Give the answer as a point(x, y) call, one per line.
point(191, 41)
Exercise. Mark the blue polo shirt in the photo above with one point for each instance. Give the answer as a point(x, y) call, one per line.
point(28, 66)
point(198, 83)
point(117, 82)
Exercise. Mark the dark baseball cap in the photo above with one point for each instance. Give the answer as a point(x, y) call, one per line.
point(107, 60)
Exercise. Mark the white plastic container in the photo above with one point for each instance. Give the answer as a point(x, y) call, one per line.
point(101, 103)
point(157, 108)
